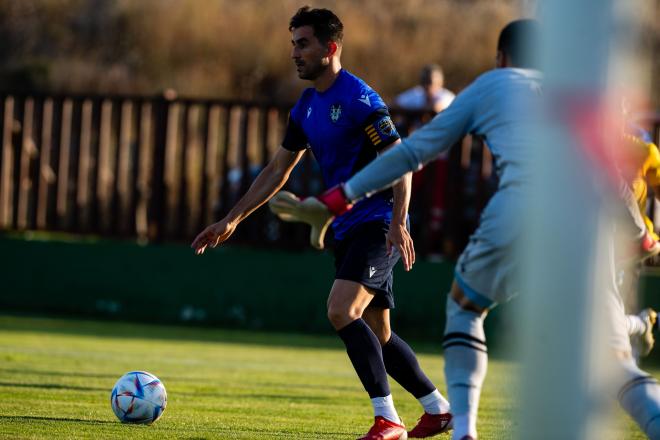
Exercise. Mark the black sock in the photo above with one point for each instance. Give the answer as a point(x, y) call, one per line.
point(365, 354)
point(402, 365)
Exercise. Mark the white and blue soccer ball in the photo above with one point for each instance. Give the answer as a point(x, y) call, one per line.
point(138, 397)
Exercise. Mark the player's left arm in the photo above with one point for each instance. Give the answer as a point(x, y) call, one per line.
point(398, 234)
point(381, 136)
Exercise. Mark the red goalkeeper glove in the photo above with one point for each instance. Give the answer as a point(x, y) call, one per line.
point(335, 200)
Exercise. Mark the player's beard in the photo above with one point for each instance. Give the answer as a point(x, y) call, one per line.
point(312, 71)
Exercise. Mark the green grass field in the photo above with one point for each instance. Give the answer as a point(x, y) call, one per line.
point(56, 376)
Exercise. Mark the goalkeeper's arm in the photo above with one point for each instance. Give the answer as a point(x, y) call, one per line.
point(424, 145)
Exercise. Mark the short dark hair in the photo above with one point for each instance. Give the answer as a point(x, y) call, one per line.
point(518, 39)
point(326, 25)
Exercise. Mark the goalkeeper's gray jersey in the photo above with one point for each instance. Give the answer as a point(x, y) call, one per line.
point(500, 105)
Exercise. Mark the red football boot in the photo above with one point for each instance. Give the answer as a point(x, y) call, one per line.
point(430, 425)
point(383, 429)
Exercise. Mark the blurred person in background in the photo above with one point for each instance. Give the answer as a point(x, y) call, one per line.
point(427, 99)
point(346, 124)
point(645, 245)
point(647, 175)
point(430, 94)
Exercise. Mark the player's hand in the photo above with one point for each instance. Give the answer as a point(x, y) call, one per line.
point(399, 236)
point(213, 235)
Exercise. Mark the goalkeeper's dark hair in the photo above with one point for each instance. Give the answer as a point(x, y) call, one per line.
point(327, 26)
point(519, 39)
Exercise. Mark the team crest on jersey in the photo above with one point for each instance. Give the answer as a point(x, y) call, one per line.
point(335, 112)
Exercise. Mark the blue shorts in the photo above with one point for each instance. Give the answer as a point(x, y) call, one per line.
point(361, 256)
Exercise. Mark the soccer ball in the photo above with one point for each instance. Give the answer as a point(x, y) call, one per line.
point(138, 397)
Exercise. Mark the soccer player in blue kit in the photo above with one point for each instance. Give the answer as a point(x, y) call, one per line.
point(346, 124)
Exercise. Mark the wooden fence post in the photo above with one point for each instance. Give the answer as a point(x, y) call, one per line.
point(160, 114)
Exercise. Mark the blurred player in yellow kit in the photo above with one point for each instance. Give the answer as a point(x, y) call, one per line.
point(646, 159)
point(647, 174)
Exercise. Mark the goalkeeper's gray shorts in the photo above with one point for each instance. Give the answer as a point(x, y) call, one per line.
point(487, 269)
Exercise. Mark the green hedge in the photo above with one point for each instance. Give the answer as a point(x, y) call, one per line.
point(230, 287)
point(233, 287)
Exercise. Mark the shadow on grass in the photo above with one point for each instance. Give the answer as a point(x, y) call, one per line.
point(298, 434)
point(56, 419)
point(50, 386)
point(310, 386)
point(312, 434)
point(112, 377)
point(121, 329)
point(256, 396)
point(174, 380)
point(58, 373)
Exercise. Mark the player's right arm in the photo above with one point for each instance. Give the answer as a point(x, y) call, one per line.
point(267, 183)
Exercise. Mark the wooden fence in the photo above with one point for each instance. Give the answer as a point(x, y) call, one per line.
point(161, 168)
point(151, 168)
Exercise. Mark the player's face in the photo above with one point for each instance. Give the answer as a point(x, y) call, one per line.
point(309, 55)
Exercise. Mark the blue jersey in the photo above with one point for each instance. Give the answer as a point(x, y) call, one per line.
point(345, 127)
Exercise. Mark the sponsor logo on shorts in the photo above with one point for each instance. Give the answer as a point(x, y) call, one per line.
point(372, 271)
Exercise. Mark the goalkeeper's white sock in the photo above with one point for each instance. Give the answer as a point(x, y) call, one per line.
point(464, 424)
point(466, 363)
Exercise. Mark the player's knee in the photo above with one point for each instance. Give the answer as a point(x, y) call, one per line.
point(383, 335)
point(340, 316)
point(334, 317)
point(379, 323)
point(463, 301)
point(464, 321)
